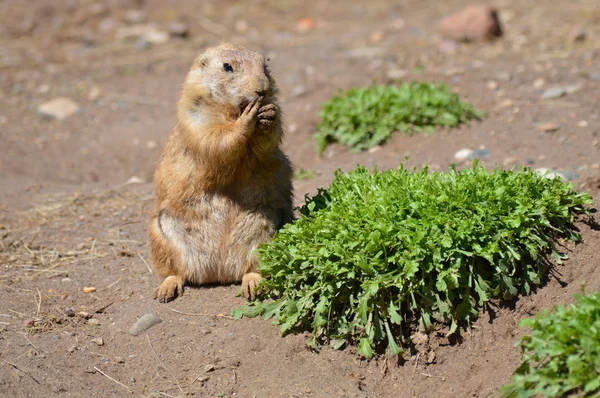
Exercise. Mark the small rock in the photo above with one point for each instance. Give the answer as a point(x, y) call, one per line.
point(431, 357)
point(241, 26)
point(298, 91)
point(504, 104)
point(305, 24)
point(94, 93)
point(557, 92)
point(548, 173)
point(151, 144)
point(492, 85)
point(84, 315)
point(509, 160)
point(149, 33)
point(93, 322)
point(179, 29)
point(134, 180)
point(65, 280)
point(578, 35)
point(475, 22)
point(58, 108)
point(549, 127)
point(88, 289)
point(72, 349)
point(595, 76)
point(583, 123)
point(119, 360)
point(99, 341)
point(374, 149)
point(463, 154)
point(396, 74)
point(132, 379)
point(376, 37)
point(209, 368)
point(539, 83)
point(134, 17)
point(144, 323)
point(70, 313)
point(479, 154)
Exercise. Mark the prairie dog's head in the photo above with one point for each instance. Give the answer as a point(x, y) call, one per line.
point(229, 76)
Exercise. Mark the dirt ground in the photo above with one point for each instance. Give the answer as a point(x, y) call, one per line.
point(73, 216)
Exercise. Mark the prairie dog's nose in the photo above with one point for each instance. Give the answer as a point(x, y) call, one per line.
point(263, 87)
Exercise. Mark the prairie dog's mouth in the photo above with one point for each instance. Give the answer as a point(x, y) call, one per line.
point(245, 102)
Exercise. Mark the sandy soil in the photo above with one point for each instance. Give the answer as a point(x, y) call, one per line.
point(69, 219)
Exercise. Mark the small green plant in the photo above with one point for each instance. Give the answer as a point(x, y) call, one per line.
point(561, 356)
point(302, 174)
point(378, 251)
point(365, 117)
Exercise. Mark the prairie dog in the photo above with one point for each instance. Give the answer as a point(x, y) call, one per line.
point(223, 185)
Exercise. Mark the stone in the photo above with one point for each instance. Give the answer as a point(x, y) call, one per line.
point(179, 29)
point(148, 33)
point(475, 22)
point(134, 17)
point(58, 108)
point(144, 323)
point(99, 341)
point(93, 322)
point(463, 154)
point(479, 154)
point(557, 92)
point(549, 127)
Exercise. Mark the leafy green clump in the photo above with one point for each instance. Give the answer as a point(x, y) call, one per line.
point(562, 355)
point(378, 251)
point(365, 117)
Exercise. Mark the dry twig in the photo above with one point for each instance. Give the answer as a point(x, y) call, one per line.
point(163, 365)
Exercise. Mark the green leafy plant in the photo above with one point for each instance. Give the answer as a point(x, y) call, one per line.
point(379, 251)
point(365, 117)
point(561, 356)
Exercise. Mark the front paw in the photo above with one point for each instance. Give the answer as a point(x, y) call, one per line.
point(267, 114)
point(249, 116)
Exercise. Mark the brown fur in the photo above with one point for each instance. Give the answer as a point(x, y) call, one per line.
point(223, 185)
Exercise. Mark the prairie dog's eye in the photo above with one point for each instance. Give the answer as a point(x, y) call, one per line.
point(227, 67)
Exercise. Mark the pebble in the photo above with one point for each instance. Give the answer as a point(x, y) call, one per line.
point(65, 280)
point(144, 323)
point(69, 312)
point(549, 127)
point(475, 22)
point(148, 33)
point(151, 144)
point(539, 83)
point(583, 123)
point(88, 289)
point(241, 25)
point(209, 368)
point(93, 322)
point(179, 29)
point(479, 154)
point(134, 17)
point(305, 24)
point(463, 154)
point(132, 379)
point(58, 108)
point(492, 85)
point(595, 76)
point(557, 92)
point(298, 91)
point(84, 315)
point(134, 180)
point(99, 341)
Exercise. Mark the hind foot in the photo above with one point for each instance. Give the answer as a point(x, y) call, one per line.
point(169, 289)
point(249, 283)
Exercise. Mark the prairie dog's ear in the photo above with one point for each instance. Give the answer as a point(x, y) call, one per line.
point(201, 61)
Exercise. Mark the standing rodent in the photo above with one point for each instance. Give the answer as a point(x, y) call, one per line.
point(223, 186)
